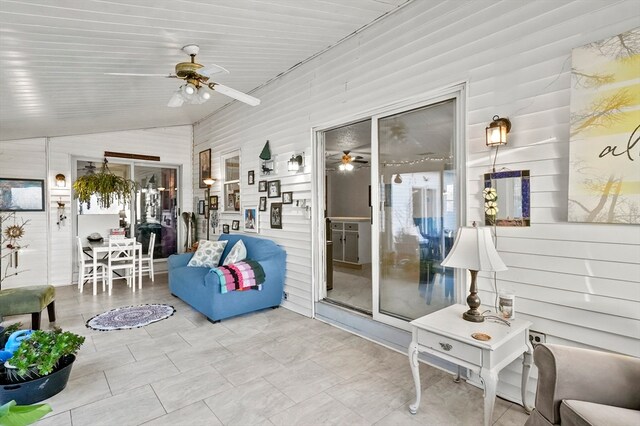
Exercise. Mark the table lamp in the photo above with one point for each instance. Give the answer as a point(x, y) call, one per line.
point(473, 249)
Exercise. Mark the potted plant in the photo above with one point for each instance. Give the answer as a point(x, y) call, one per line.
point(40, 367)
point(107, 186)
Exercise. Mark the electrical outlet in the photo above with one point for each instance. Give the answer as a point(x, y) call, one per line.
point(536, 337)
point(285, 295)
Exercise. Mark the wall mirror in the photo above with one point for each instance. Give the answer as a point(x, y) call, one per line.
point(512, 198)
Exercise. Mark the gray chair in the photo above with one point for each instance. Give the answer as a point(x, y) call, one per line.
point(585, 387)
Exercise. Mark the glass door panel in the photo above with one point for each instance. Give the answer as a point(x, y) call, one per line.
point(156, 209)
point(418, 214)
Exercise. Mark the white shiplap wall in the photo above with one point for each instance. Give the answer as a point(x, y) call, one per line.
point(27, 160)
point(55, 245)
point(578, 283)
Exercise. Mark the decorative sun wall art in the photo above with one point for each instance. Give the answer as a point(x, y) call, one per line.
point(604, 177)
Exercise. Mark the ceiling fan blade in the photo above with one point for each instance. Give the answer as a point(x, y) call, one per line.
point(176, 100)
point(132, 74)
point(360, 161)
point(211, 69)
point(235, 94)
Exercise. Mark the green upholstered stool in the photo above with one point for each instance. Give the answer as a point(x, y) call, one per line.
point(29, 300)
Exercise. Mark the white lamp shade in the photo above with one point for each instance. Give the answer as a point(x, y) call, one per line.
point(474, 250)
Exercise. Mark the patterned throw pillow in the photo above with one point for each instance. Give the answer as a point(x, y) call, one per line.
point(238, 252)
point(208, 254)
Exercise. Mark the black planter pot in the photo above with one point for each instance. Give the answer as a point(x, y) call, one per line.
point(39, 389)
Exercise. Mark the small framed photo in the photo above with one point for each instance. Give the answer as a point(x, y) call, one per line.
point(263, 204)
point(262, 186)
point(273, 189)
point(276, 216)
point(213, 202)
point(287, 197)
point(225, 228)
point(251, 177)
point(21, 195)
point(235, 225)
point(205, 167)
point(250, 219)
point(201, 207)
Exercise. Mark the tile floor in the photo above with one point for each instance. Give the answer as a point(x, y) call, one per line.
point(273, 367)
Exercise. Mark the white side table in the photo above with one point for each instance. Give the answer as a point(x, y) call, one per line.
point(446, 335)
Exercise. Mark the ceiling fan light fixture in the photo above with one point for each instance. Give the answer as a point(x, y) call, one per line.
point(348, 167)
point(189, 89)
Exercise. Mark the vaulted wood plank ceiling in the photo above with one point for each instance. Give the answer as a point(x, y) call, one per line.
point(54, 55)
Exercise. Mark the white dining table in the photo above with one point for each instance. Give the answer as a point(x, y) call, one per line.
point(97, 249)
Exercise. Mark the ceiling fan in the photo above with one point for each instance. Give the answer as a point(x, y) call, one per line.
point(196, 81)
point(88, 169)
point(347, 160)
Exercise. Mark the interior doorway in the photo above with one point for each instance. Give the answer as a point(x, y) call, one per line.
point(348, 216)
point(152, 209)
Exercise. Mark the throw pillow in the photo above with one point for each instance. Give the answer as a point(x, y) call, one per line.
point(238, 252)
point(208, 254)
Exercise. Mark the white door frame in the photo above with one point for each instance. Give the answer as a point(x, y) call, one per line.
point(456, 91)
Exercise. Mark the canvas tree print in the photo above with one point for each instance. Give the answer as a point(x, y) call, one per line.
point(604, 177)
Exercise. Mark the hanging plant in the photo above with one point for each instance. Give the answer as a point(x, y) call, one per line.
point(107, 186)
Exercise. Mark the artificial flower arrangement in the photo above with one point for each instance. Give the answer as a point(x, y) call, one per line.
point(490, 204)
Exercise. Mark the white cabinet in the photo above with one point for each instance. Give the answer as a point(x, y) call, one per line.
point(351, 240)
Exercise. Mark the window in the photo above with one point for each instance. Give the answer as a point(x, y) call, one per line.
point(231, 186)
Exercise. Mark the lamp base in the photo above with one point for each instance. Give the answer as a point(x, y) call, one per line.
point(473, 315)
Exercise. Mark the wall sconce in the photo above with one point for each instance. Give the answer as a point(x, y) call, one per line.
point(296, 162)
point(497, 131)
point(61, 180)
point(208, 181)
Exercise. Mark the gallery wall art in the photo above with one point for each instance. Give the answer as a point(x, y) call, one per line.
point(604, 177)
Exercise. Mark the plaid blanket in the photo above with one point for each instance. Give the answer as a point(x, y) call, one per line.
point(240, 276)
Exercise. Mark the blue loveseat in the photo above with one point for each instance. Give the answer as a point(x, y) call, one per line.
point(200, 287)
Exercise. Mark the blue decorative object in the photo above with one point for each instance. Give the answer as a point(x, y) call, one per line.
point(13, 343)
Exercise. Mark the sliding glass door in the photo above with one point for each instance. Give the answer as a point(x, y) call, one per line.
point(155, 208)
point(418, 210)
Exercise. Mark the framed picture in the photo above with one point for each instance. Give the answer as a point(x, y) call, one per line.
point(235, 225)
point(213, 202)
point(225, 228)
point(205, 167)
point(251, 177)
point(273, 189)
point(287, 197)
point(275, 217)
point(262, 186)
point(250, 219)
point(21, 195)
point(201, 207)
point(263, 204)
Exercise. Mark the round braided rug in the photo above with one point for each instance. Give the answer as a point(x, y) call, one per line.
point(130, 317)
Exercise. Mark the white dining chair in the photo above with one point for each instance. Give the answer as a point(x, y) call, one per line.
point(85, 269)
point(147, 260)
point(122, 257)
